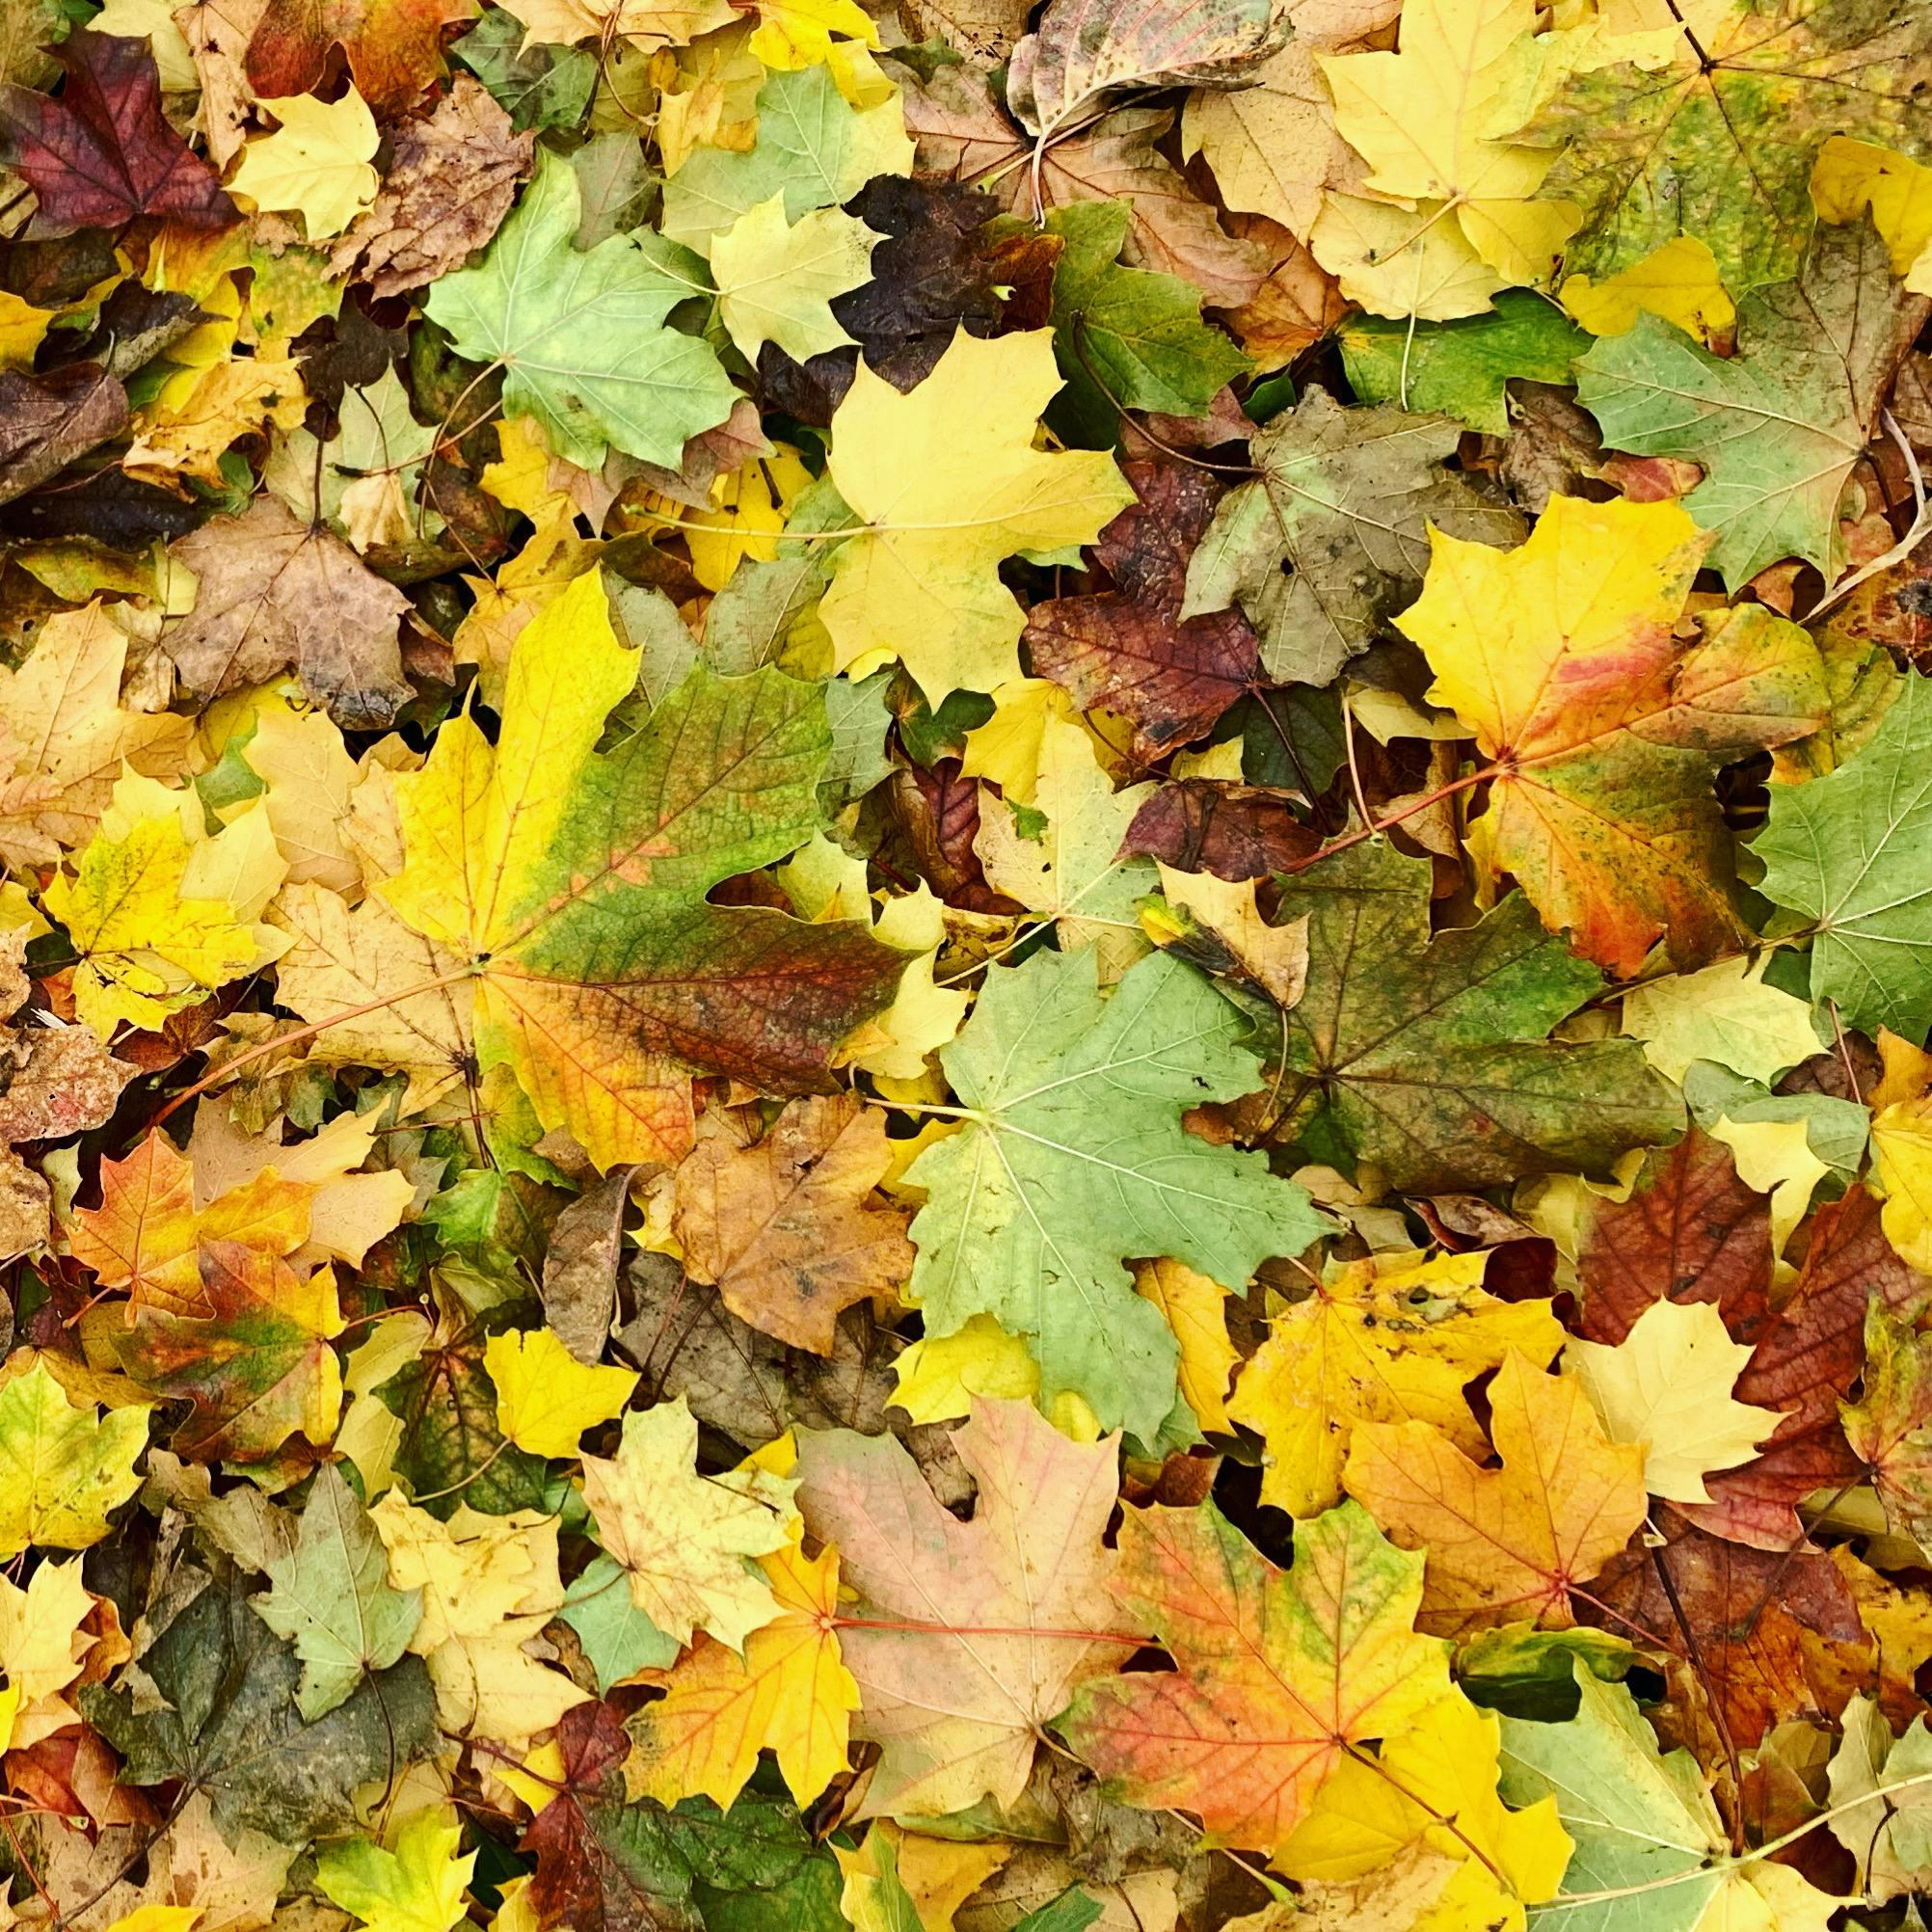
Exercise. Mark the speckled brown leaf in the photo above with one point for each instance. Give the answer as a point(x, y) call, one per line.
point(276, 594)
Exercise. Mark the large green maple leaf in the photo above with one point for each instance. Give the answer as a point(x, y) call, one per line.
point(1073, 1160)
point(1778, 426)
point(573, 884)
point(579, 333)
point(1718, 139)
point(1430, 1056)
point(1853, 852)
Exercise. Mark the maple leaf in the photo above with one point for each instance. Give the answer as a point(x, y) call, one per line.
point(1716, 138)
point(1001, 1609)
point(790, 1692)
point(1889, 1426)
point(1279, 1673)
point(920, 582)
point(783, 1226)
point(147, 1233)
point(1433, 122)
point(257, 1367)
point(1666, 1386)
point(572, 884)
point(1330, 539)
point(1056, 1180)
point(67, 735)
point(316, 163)
point(1392, 1339)
point(66, 1467)
point(1510, 1541)
point(682, 1538)
point(775, 281)
point(227, 1722)
point(1127, 649)
point(448, 186)
point(102, 153)
point(274, 594)
point(1444, 1767)
point(1603, 733)
point(581, 332)
point(1778, 428)
point(419, 1887)
point(1428, 1055)
point(545, 1400)
point(1847, 852)
point(393, 46)
point(329, 1596)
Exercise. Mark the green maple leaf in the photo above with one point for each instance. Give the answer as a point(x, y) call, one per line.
point(1073, 1160)
point(1331, 539)
point(1461, 370)
point(226, 1719)
point(814, 148)
point(573, 884)
point(1852, 852)
point(1430, 1057)
point(330, 1597)
point(579, 333)
point(1127, 333)
point(62, 1466)
point(1778, 426)
point(1637, 1817)
point(1719, 142)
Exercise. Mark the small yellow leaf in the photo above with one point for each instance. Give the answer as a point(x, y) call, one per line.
point(546, 1399)
point(1850, 176)
point(1726, 1013)
point(1195, 1308)
point(315, 164)
point(1667, 1386)
point(1678, 282)
point(21, 328)
point(417, 1887)
point(775, 281)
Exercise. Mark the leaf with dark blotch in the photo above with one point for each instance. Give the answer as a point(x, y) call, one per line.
point(47, 421)
point(1233, 831)
point(102, 153)
point(933, 274)
point(135, 325)
point(1128, 650)
point(276, 594)
point(229, 1724)
point(1430, 1057)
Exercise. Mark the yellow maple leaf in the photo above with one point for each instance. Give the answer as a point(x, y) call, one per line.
point(316, 163)
point(42, 1647)
point(790, 1692)
point(1679, 281)
point(63, 1465)
point(1389, 1339)
point(793, 34)
point(489, 1586)
point(65, 737)
point(21, 329)
point(187, 434)
point(776, 280)
point(419, 1887)
point(546, 1398)
point(1195, 1307)
point(682, 1538)
point(1435, 1784)
point(1850, 176)
point(1426, 120)
point(161, 914)
point(1667, 1386)
point(946, 484)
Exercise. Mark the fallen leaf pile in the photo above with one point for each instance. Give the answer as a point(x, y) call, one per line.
point(965, 965)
